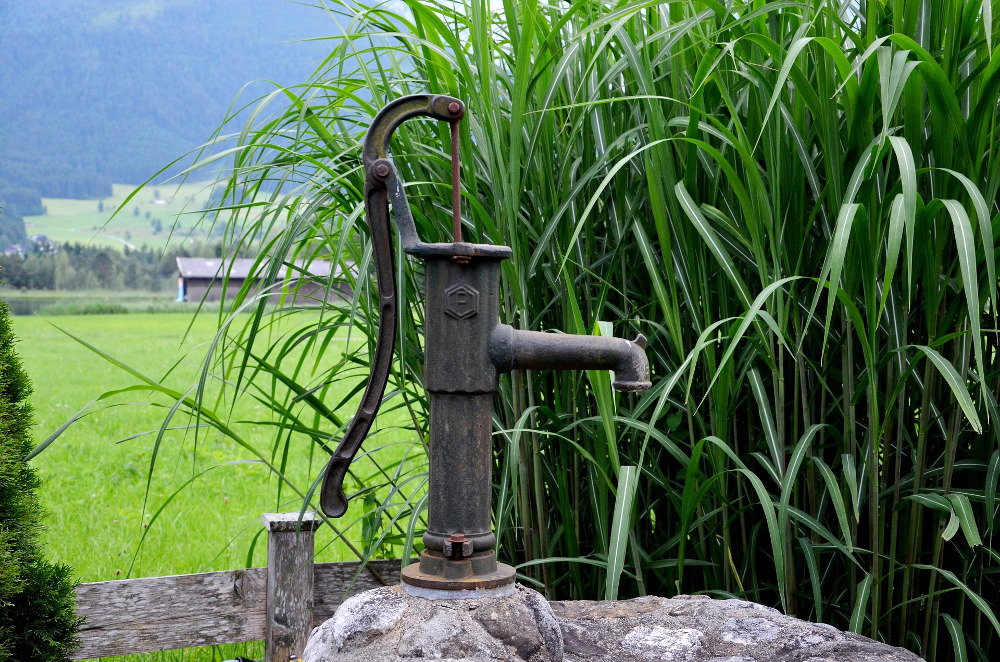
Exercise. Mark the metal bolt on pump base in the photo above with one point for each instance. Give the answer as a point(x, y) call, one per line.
point(466, 349)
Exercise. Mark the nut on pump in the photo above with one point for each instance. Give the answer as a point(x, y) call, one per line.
point(466, 349)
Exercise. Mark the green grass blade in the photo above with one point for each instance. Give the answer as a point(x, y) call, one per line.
point(767, 504)
point(963, 510)
point(985, 231)
point(990, 495)
point(628, 482)
point(600, 382)
point(713, 243)
point(816, 584)
point(952, 527)
point(975, 598)
point(955, 383)
point(863, 593)
point(957, 638)
point(970, 282)
point(767, 420)
point(837, 499)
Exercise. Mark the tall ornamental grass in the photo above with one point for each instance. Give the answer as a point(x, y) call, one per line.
point(795, 201)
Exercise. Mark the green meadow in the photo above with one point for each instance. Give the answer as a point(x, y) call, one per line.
point(205, 496)
point(148, 218)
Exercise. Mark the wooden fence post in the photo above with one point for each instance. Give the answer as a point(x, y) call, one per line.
point(289, 583)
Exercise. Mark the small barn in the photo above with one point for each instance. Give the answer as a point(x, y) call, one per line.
point(201, 278)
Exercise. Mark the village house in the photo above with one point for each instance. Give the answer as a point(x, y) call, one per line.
point(205, 279)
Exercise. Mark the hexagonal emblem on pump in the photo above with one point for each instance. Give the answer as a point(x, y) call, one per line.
point(463, 302)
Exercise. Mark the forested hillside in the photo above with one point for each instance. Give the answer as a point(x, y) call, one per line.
point(101, 91)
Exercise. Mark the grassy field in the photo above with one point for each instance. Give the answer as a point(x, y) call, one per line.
point(95, 474)
point(89, 221)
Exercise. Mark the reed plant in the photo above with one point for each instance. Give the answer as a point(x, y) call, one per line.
point(796, 201)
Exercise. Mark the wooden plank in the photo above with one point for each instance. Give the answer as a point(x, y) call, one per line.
point(289, 584)
point(161, 613)
point(332, 584)
point(131, 616)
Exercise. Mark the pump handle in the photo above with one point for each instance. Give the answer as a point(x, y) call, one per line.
point(381, 184)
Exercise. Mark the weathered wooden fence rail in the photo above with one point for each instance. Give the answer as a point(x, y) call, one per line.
point(278, 604)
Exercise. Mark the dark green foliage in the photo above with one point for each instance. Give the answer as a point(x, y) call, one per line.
point(79, 267)
point(45, 609)
point(11, 223)
point(37, 619)
point(23, 201)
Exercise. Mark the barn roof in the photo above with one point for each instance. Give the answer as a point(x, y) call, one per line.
point(239, 269)
point(204, 267)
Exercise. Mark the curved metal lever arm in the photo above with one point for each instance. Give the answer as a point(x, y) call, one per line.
point(380, 175)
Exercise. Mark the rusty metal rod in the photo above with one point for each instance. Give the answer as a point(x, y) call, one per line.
point(456, 183)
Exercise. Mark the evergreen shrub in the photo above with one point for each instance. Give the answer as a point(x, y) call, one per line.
point(37, 618)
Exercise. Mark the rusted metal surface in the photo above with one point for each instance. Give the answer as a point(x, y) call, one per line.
point(378, 171)
point(457, 547)
point(466, 349)
point(452, 576)
point(531, 350)
point(456, 180)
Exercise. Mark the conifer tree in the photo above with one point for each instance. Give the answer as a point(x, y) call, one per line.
point(37, 618)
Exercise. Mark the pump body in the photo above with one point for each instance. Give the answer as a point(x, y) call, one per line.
point(466, 349)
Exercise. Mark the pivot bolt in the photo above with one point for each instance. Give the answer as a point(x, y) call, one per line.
point(454, 107)
point(457, 547)
point(382, 170)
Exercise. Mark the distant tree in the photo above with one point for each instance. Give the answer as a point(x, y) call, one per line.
point(103, 266)
point(65, 276)
point(40, 272)
point(20, 201)
point(11, 227)
point(100, 205)
point(132, 274)
point(147, 215)
point(12, 271)
point(75, 266)
point(37, 618)
point(135, 212)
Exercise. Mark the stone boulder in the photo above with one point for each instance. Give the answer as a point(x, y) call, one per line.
point(388, 625)
point(699, 629)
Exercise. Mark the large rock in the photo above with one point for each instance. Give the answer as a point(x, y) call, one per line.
point(387, 625)
point(699, 629)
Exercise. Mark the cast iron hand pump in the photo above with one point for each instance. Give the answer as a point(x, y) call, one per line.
point(466, 348)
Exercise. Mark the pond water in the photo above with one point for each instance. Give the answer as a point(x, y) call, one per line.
point(90, 305)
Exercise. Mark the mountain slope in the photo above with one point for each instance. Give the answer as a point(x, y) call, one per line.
point(95, 91)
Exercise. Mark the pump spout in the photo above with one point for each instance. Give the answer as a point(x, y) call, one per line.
point(512, 349)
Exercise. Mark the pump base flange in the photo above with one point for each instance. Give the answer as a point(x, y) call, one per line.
point(456, 578)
